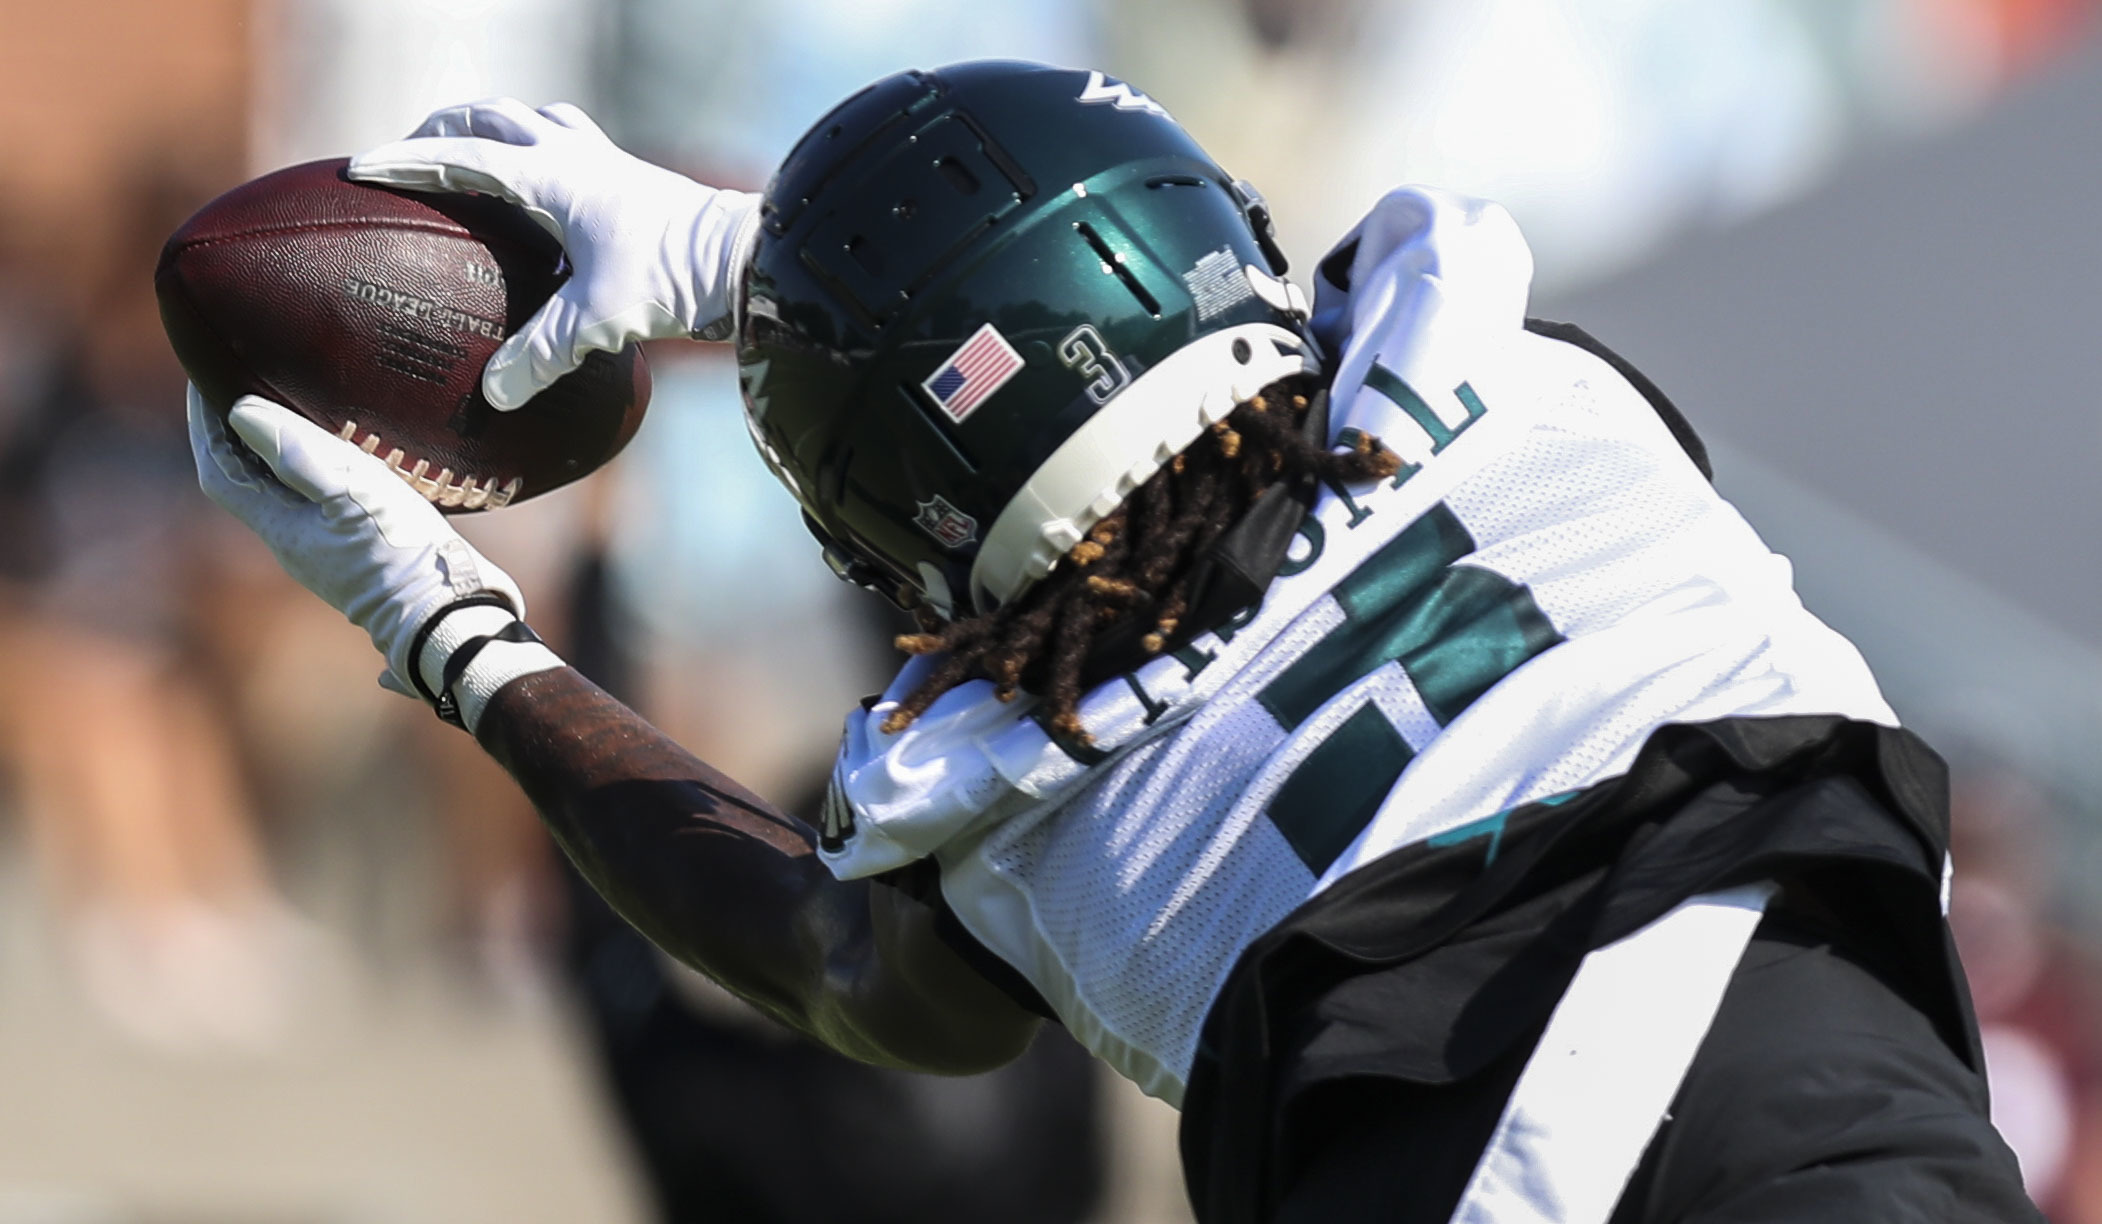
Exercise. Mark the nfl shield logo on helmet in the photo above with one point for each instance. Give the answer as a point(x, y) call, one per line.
point(972, 373)
point(952, 527)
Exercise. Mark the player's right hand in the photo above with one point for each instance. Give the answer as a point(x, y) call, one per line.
point(655, 254)
point(351, 531)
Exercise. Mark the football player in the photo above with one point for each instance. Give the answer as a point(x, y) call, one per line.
point(1362, 727)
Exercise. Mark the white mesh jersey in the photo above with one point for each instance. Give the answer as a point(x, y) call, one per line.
point(1547, 581)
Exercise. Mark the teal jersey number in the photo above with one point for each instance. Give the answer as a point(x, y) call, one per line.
point(1455, 629)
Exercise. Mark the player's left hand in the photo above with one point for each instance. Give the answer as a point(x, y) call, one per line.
point(656, 254)
point(343, 525)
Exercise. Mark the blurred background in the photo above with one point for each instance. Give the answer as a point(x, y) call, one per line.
point(277, 947)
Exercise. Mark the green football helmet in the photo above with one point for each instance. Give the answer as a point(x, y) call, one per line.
point(986, 303)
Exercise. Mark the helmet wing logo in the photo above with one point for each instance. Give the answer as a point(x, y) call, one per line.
point(1101, 89)
point(950, 527)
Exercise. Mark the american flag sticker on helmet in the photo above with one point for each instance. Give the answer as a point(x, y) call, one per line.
point(972, 373)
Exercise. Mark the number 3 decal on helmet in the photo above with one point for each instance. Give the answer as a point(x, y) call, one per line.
point(1085, 350)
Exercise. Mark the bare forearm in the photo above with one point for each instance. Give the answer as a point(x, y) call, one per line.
point(721, 880)
point(708, 871)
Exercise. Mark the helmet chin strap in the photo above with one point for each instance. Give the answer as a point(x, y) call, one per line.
point(934, 588)
point(1124, 444)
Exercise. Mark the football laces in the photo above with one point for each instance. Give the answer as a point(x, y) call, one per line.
point(442, 488)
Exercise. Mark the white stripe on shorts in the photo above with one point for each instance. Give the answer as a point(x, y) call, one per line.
point(1609, 1064)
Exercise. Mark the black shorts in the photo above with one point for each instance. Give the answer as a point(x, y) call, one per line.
point(1820, 1094)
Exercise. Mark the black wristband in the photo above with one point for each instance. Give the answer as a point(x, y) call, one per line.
point(447, 705)
point(487, 599)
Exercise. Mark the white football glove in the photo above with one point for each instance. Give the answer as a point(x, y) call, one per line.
point(654, 254)
point(351, 531)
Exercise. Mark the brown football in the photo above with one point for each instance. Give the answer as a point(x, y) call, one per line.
point(371, 311)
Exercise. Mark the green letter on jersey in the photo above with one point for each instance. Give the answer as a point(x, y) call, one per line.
point(1385, 381)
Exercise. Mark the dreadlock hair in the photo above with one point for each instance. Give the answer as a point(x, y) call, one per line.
point(1136, 562)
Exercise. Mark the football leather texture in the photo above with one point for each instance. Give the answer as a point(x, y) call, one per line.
point(371, 312)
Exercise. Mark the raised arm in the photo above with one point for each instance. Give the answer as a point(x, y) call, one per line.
point(719, 879)
point(707, 870)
